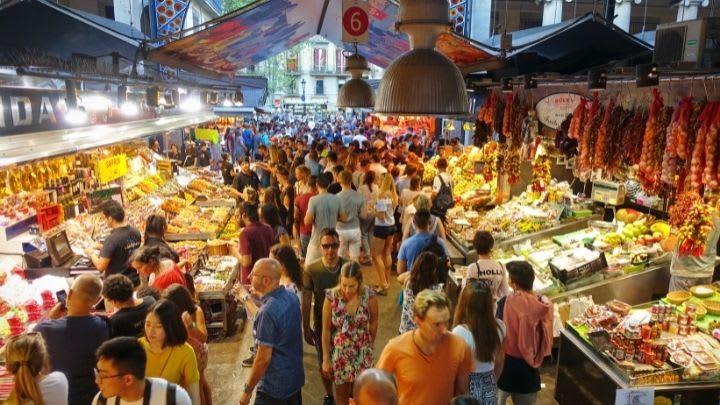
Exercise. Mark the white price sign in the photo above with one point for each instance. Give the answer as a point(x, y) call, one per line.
point(553, 109)
point(355, 21)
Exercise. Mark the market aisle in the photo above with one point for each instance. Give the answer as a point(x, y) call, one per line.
point(227, 376)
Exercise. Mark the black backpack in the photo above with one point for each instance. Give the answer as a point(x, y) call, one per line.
point(443, 199)
point(169, 399)
point(435, 247)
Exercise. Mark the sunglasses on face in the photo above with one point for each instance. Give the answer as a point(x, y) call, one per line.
point(330, 245)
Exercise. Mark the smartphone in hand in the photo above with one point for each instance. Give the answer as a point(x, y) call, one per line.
point(62, 299)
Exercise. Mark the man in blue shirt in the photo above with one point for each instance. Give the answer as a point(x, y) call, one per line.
point(411, 248)
point(277, 371)
point(72, 339)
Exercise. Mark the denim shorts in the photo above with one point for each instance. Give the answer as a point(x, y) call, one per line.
point(383, 232)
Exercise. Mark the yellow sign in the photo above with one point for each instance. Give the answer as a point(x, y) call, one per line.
point(206, 134)
point(164, 165)
point(112, 168)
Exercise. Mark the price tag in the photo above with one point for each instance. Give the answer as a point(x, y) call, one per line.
point(635, 396)
point(355, 21)
point(111, 168)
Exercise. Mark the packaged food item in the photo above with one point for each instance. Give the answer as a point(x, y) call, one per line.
point(618, 307)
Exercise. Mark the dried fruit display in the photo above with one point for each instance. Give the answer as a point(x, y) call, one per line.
point(711, 152)
point(487, 112)
point(650, 159)
point(507, 116)
point(563, 142)
point(694, 231)
point(676, 131)
point(541, 173)
point(601, 143)
point(578, 119)
point(520, 112)
point(681, 126)
point(633, 138)
point(619, 119)
point(482, 133)
point(498, 121)
point(680, 209)
point(512, 165)
point(588, 137)
point(700, 161)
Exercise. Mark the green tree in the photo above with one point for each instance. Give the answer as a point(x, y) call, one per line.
point(232, 5)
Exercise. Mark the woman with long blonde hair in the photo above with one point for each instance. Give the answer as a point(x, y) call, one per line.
point(384, 232)
point(27, 359)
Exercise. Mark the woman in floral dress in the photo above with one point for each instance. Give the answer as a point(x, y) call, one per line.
point(350, 320)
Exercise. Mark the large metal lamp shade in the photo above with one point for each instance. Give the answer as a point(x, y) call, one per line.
point(422, 81)
point(356, 92)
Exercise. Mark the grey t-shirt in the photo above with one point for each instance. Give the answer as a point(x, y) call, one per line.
point(325, 209)
point(352, 202)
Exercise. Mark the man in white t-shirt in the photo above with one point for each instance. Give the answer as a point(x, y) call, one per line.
point(120, 375)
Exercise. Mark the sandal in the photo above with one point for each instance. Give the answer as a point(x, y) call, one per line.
point(381, 291)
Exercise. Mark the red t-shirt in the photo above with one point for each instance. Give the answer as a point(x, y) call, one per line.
point(302, 202)
point(169, 277)
point(256, 240)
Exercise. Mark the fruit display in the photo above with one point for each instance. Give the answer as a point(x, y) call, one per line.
point(174, 205)
point(193, 220)
point(694, 230)
point(467, 183)
point(682, 206)
point(216, 274)
point(541, 173)
point(189, 250)
point(232, 228)
point(511, 166)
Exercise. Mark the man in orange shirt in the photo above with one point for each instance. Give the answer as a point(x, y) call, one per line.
point(430, 364)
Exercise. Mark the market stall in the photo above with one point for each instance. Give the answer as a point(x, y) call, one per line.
point(669, 346)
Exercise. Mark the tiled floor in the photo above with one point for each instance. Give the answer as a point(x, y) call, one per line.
point(227, 376)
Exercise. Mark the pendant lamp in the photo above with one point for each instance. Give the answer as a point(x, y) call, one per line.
point(356, 92)
point(423, 81)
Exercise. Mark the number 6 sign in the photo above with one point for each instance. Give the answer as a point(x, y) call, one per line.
point(355, 21)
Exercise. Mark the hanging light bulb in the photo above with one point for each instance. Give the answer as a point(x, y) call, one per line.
point(423, 81)
point(356, 92)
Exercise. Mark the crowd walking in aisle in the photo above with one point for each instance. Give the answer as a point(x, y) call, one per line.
point(328, 228)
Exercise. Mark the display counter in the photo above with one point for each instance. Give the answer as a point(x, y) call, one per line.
point(584, 376)
point(215, 278)
point(466, 249)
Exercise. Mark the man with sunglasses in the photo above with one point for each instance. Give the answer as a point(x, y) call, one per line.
point(319, 276)
point(120, 375)
point(62, 335)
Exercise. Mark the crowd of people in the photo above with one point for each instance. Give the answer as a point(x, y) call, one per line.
point(320, 209)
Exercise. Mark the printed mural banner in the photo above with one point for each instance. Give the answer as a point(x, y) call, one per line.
point(267, 28)
point(167, 19)
point(249, 36)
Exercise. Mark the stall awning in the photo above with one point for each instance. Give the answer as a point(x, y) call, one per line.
point(40, 145)
point(268, 27)
point(569, 47)
point(31, 30)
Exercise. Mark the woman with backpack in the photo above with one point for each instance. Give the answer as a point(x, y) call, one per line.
point(422, 201)
point(442, 194)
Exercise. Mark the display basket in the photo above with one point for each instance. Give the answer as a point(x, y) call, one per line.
point(579, 272)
